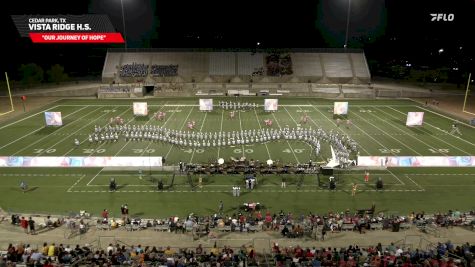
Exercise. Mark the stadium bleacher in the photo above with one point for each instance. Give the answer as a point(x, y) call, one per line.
point(250, 68)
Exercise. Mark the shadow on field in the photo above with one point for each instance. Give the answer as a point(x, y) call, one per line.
point(30, 189)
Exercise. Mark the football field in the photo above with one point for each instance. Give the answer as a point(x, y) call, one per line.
point(378, 126)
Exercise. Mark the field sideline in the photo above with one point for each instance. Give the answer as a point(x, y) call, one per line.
point(378, 126)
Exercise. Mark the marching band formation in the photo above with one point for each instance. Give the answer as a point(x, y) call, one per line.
point(230, 105)
point(342, 144)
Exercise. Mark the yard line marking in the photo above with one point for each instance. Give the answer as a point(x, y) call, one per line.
point(94, 176)
point(415, 182)
point(413, 136)
point(221, 129)
point(260, 127)
point(442, 115)
point(40, 129)
point(201, 128)
point(255, 190)
point(313, 121)
point(184, 123)
point(278, 124)
point(134, 185)
point(122, 148)
point(297, 125)
point(151, 141)
point(468, 142)
point(194, 105)
point(387, 134)
point(395, 176)
point(442, 174)
point(62, 140)
point(60, 129)
point(240, 127)
point(79, 180)
point(85, 139)
point(357, 128)
point(27, 117)
point(444, 185)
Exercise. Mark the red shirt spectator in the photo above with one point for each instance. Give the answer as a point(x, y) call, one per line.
point(24, 224)
point(259, 215)
point(105, 214)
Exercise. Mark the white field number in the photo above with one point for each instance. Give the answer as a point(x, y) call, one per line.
point(390, 150)
point(295, 150)
point(92, 150)
point(247, 150)
point(108, 110)
point(365, 110)
point(41, 150)
point(141, 150)
point(304, 111)
point(439, 150)
point(198, 150)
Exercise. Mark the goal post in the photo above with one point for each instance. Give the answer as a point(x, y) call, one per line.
point(12, 108)
point(467, 91)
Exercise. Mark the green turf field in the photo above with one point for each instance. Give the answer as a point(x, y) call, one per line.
point(377, 126)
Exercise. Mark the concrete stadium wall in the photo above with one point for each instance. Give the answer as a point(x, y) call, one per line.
point(222, 67)
point(65, 92)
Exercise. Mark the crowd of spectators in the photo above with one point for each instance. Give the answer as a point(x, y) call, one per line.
point(444, 254)
point(164, 70)
point(116, 255)
point(133, 70)
point(288, 224)
point(278, 65)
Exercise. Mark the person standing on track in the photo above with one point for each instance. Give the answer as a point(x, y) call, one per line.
point(366, 176)
point(221, 207)
point(455, 129)
point(354, 188)
point(23, 186)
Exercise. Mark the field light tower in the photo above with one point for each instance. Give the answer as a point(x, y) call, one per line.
point(123, 22)
point(347, 24)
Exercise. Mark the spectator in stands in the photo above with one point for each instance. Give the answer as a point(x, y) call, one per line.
point(133, 70)
point(199, 250)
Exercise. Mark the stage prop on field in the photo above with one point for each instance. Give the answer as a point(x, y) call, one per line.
point(340, 109)
point(53, 119)
point(271, 104)
point(140, 109)
point(415, 118)
point(206, 104)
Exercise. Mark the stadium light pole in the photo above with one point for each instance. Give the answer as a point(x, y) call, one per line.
point(123, 23)
point(347, 24)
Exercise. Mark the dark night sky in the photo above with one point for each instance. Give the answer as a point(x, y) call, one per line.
point(386, 29)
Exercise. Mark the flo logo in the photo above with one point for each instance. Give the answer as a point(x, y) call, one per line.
point(442, 17)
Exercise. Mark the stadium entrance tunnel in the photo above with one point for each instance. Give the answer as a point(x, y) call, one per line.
point(148, 89)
